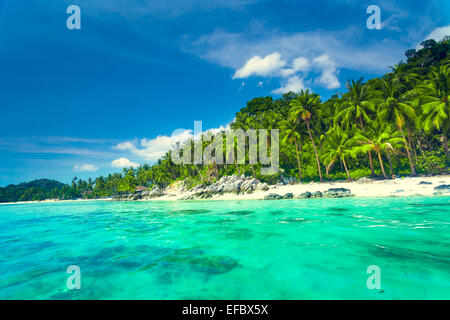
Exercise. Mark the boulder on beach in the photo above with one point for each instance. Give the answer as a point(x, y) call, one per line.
point(288, 196)
point(273, 196)
point(304, 195)
point(442, 189)
point(316, 194)
point(337, 193)
point(154, 193)
point(425, 182)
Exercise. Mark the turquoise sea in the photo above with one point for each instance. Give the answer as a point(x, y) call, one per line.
point(288, 249)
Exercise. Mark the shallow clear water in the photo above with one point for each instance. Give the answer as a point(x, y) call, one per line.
point(289, 249)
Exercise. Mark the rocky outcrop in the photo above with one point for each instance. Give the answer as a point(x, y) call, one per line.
point(304, 195)
point(330, 193)
point(227, 184)
point(425, 182)
point(337, 193)
point(154, 193)
point(274, 196)
point(442, 189)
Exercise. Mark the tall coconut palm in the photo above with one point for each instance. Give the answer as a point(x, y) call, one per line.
point(436, 110)
point(358, 105)
point(379, 141)
point(292, 135)
point(305, 107)
point(338, 146)
point(396, 108)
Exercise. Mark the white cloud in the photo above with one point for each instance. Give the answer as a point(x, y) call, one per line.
point(257, 66)
point(123, 163)
point(328, 77)
point(85, 168)
point(437, 34)
point(301, 64)
point(153, 149)
point(294, 84)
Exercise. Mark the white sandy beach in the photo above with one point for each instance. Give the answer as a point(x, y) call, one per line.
point(400, 187)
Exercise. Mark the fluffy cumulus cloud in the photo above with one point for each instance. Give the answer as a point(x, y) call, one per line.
point(153, 149)
point(85, 168)
point(328, 78)
point(294, 84)
point(293, 75)
point(124, 163)
point(301, 64)
point(264, 67)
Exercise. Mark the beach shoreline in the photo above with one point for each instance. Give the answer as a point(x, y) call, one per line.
point(399, 187)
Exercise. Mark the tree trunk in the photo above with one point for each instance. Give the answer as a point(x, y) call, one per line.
point(346, 170)
point(420, 147)
point(315, 150)
point(381, 165)
point(199, 173)
point(253, 171)
point(217, 170)
point(445, 144)
point(237, 167)
point(371, 163)
point(298, 161)
point(410, 139)
point(390, 162)
point(413, 171)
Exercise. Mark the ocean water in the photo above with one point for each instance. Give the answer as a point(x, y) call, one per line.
point(289, 249)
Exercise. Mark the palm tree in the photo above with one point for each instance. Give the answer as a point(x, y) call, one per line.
point(378, 141)
point(245, 124)
point(436, 111)
point(396, 108)
point(338, 146)
point(293, 136)
point(304, 107)
point(356, 108)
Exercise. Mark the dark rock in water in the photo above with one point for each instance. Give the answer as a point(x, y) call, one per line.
point(425, 182)
point(444, 188)
point(316, 194)
point(288, 196)
point(304, 195)
point(338, 193)
point(273, 196)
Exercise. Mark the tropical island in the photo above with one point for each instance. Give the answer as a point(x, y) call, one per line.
point(393, 126)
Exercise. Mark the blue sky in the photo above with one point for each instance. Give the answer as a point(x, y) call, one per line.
point(87, 102)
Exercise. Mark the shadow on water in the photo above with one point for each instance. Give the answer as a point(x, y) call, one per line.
point(240, 213)
point(189, 211)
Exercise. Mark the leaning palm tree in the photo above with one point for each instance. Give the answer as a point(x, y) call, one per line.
point(338, 146)
point(305, 107)
point(396, 108)
point(379, 140)
point(436, 96)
